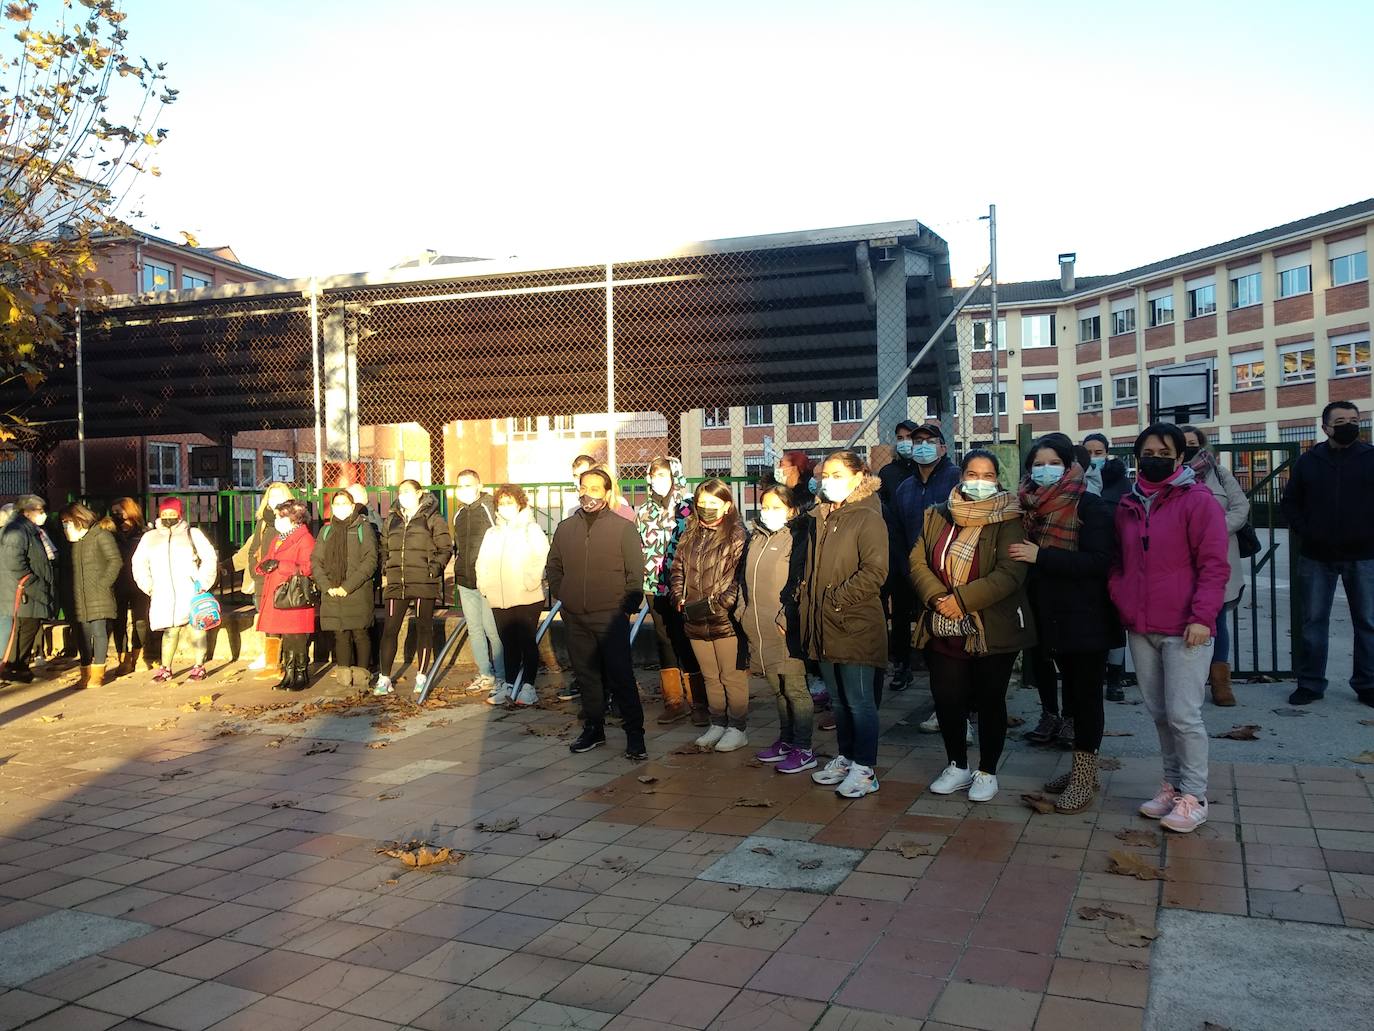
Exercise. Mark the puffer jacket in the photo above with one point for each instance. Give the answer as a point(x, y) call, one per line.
point(28, 577)
point(661, 527)
point(510, 566)
point(842, 616)
point(1172, 568)
point(415, 551)
point(169, 563)
point(95, 567)
point(1235, 506)
point(707, 567)
point(1115, 482)
point(774, 563)
point(470, 526)
point(127, 540)
point(356, 610)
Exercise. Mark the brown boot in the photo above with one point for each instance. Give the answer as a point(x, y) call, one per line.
point(85, 677)
point(1221, 684)
point(675, 708)
point(696, 697)
point(271, 650)
point(1082, 786)
point(129, 663)
point(95, 676)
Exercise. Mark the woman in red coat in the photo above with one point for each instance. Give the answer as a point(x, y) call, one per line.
point(288, 554)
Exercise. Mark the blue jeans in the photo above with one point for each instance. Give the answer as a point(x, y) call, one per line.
point(1221, 644)
point(1317, 587)
point(856, 711)
point(483, 638)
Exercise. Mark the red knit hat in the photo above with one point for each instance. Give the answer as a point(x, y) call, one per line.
point(173, 504)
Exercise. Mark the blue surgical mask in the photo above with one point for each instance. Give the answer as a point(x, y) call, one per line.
point(925, 453)
point(905, 447)
point(1047, 475)
point(979, 490)
point(1098, 461)
point(813, 485)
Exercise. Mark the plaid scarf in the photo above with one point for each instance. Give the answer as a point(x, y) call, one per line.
point(969, 518)
point(1204, 462)
point(1051, 519)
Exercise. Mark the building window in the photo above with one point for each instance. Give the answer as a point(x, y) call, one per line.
point(1040, 395)
point(1162, 310)
point(164, 466)
point(562, 423)
point(156, 278)
point(1350, 268)
point(802, 413)
point(1037, 331)
point(1245, 290)
point(954, 405)
point(1125, 390)
point(195, 280)
point(982, 334)
point(1123, 321)
point(243, 468)
point(1250, 467)
point(1298, 363)
point(1247, 370)
point(758, 415)
point(1090, 329)
point(1350, 355)
point(1295, 281)
point(982, 400)
point(524, 426)
point(1304, 436)
point(1090, 396)
point(847, 411)
point(754, 469)
point(1202, 300)
point(715, 419)
point(715, 465)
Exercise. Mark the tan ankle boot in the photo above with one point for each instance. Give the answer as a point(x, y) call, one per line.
point(1221, 684)
point(1082, 786)
point(95, 676)
point(271, 650)
point(675, 708)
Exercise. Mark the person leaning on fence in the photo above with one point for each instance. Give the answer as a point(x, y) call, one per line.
point(246, 559)
point(172, 563)
point(510, 575)
point(596, 572)
point(474, 516)
point(131, 604)
point(288, 555)
point(1168, 584)
point(344, 565)
point(28, 583)
point(1235, 505)
point(416, 546)
point(93, 568)
point(1329, 503)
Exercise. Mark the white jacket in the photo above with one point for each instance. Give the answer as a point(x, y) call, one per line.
point(510, 563)
point(167, 565)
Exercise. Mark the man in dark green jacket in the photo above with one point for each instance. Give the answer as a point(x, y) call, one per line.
point(28, 586)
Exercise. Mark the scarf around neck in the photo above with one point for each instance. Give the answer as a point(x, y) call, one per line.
point(335, 557)
point(1051, 513)
point(969, 518)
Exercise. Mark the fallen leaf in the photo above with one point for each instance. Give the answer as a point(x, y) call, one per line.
point(1147, 839)
point(441, 722)
point(226, 732)
point(686, 750)
point(748, 918)
point(391, 880)
point(498, 826)
point(1294, 712)
point(1118, 733)
point(1248, 732)
point(1015, 721)
point(914, 849)
point(646, 779)
point(378, 744)
point(753, 803)
point(1127, 932)
point(285, 804)
point(736, 887)
point(417, 853)
point(275, 742)
point(1208, 1025)
point(618, 863)
point(809, 864)
point(1038, 802)
point(547, 835)
point(648, 791)
point(165, 724)
point(320, 748)
point(1100, 913)
point(52, 718)
point(762, 850)
point(173, 774)
point(1108, 762)
point(754, 764)
point(207, 699)
point(1367, 758)
point(1128, 864)
point(387, 796)
point(1367, 723)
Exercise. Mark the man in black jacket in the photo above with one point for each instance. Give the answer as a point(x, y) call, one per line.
point(476, 515)
point(1329, 504)
point(596, 570)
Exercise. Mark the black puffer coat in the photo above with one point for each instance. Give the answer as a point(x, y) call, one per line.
point(28, 581)
point(470, 526)
point(94, 567)
point(356, 609)
point(773, 567)
point(1068, 589)
point(1115, 482)
point(415, 551)
point(707, 566)
point(127, 542)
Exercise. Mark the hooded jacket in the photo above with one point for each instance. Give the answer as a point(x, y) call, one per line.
point(1171, 569)
point(95, 567)
point(1235, 506)
point(772, 570)
point(292, 554)
point(661, 526)
point(1329, 501)
point(842, 617)
point(707, 567)
point(470, 526)
point(915, 495)
point(357, 609)
point(169, 563)
point(28, 580)
point(415, 551)
point(596, 564)
point(510, 566)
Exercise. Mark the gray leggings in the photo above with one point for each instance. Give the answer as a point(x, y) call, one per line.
point(172, 638)
point(796, 711)
point(727, 686)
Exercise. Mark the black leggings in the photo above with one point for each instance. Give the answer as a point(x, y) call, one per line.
point(674, 650)
point(136, 606)
point(1084, 673)
point(1046, 678)
point(977, 683)
point(353, 647)
point(396, 609)
point(516, 626)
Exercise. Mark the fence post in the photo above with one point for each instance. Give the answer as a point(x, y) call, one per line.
point(610, 370)
point(315, 376)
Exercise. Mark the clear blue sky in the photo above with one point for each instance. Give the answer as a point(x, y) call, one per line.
point(320, 137)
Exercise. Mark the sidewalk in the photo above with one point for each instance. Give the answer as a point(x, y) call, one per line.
point(174, 878)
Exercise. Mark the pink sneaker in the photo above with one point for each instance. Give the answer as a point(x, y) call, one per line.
point(197, 673)
point(162, 675)
point(797, 761)
point(1188, 815)
point(1162, 803)
point(774, 753)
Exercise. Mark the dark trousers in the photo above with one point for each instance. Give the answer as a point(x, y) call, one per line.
point(674, 650)
point(396, 609)
point(93, 641)
point(977, 684)
point(135, 607)
point(353, 647)
point(295, 646)
point(1040, 664)
point(517, 626)
point(23, 633)
point(1084, 674)
point(599, 649)
point(899, 638)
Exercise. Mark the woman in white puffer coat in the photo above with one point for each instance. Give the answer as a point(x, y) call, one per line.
point(172, 563)
point(510, 575)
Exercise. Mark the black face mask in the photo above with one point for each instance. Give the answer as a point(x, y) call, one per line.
point(1346, 433)
point(1189, 453)
point(1155, 469)
point(168, 521)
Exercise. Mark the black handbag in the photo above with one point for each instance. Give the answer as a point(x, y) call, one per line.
point(1247, 541)
point(299, 592)
point(699, 611)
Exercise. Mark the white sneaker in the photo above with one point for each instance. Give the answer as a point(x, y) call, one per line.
point(731, 740)
point(421, 682)
point(1189, 813)
point(951, 780)
point(500, 694)
point(383, 685)
point(833, 772)
point(971, 734)
point(709, 739)
point(860, 781)
point(526, 696)
point(983, 788)
point(481, 683)
point(931, 726)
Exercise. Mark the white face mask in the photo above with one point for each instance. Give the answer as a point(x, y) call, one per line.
point(836, 488)
point(273, 500)
point(467, 495)
point(779, 474)
point(979, 490)
point(773, 519)
point(662, 485)
point(73, 534)
point(507, 512)
point(283, 524)
point(342, 512)
point(40, 519)
point(409, 502)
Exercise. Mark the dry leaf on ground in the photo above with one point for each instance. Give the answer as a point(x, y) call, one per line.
point(1367, 723)
point(1127, 932)
point(1366, 758)
point(165, 724)
point(1100, 913)
point(498, 826)
point(275, 742)
point(1038, 802)
point(762, 850)
point(174, 774)
point(1291, 712)
point(748, 918)
point(1128, 864)
point(387, 796)
point(320, 748)
point(1246, 732)
point(378, 744)
point(547, 835)
point(753, 803)
point(285, 804)
point(443, 721)
point(52, 718)
point(1145, 839)
point(809, 864)
point(1108, 762)
point(1015, 721)
point(419, 853)
point(914, 849)
point(618, 863)
point(646, 779)
point(1118, 733)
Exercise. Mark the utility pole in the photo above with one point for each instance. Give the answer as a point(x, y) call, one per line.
point(996, 404)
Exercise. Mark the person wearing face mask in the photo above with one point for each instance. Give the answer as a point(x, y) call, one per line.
point(1108, 476)
point(344, 564)
point(474, 516)
point(28, 583)
point(416, 546)
point(173, 562)
point(796, 471)
point(843, 625)
point(510, 575)
point(1329, 503)
point(1070, 546)
point(92, 567)
point(773, 567)
point(131, 604)
point(573, 499)
point(903, 465)
point(704, 585)
point(288, 554)
point(662, 520)
point(1168, 584)
point(246, 560)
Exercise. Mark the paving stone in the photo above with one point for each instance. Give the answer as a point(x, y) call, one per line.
point(49, 942)
point(784, 867)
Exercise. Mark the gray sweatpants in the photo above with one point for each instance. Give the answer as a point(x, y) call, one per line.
point(1173, 682)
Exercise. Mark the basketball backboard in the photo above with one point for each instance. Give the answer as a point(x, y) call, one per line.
point(1182, 393)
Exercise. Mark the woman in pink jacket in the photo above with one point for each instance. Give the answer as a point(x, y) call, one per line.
point(1169, 584)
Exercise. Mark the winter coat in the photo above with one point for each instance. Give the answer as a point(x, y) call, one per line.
point(772, 570)
point(292, 553)
point(1171, 569)
point(127, 541)
point(893, 475)
point(470, 526)
point(1329, 502)
point(842, 617)
point(357, 609)
point(707, 567)
point(661, 527)
point(1115, 482)
point(997, 593)
point(596, 564)
point(915, 495)
point(169, 563)
point(95, 565)
point(1068, 589)
point(253, 551)
point(1235, 506)
point(510, 566)
point(28, 578)
point(415, 551)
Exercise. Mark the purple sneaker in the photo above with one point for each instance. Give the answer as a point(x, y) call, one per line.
point(774, 753)
point(797, 760)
